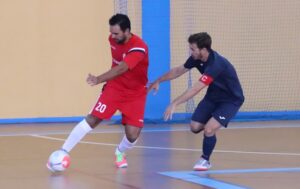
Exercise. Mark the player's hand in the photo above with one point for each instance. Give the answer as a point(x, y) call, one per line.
point(92, 80)
point(169, 112)
point(153, 86)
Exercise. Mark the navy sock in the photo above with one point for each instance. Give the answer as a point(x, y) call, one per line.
point(208, 146)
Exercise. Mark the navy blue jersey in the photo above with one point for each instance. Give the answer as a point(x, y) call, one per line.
point(219, 73)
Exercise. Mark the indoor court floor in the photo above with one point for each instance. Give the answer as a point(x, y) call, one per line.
point(258, 155)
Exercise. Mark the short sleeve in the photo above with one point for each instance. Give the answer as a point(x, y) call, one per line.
point(133, 58)
point(190, 63)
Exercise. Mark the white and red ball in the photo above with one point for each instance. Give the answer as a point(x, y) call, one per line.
point(58, 161)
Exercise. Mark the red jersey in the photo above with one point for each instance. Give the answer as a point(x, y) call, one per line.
point(135, 54)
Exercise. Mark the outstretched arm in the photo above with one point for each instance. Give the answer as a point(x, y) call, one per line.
point(172, 74)
point(188, 94)
point(112, 73)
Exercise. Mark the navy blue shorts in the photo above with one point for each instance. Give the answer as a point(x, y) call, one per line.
point(223, 112)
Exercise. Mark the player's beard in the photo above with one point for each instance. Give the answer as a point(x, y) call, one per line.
point(121, 41)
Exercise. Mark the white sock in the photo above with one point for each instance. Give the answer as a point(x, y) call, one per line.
point(79, 131)
point(124, 145)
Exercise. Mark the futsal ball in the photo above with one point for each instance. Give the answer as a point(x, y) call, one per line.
point(58, 161)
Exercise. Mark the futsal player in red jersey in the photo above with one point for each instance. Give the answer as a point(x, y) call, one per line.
point(125, 89)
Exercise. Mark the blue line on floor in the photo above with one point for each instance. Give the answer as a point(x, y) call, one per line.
point(234, 171)
point(202, 178)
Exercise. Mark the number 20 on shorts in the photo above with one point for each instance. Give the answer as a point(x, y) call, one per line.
point(100, 107)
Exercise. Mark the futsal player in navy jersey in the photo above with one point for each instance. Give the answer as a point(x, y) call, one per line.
point(223, 98)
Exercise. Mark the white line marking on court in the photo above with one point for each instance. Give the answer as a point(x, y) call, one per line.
point(93, 132)
point(176, 149)
point(10, 134)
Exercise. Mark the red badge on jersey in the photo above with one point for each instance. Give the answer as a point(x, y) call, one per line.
point(206, 79)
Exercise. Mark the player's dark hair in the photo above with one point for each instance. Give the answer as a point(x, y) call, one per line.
point(202, 39)
point(122, 20)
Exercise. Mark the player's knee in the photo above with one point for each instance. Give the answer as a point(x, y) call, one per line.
point(92, 121)
point(209, 131)
point(196, 127)
point(196, 130)
point(132, 133)
point(131, 137)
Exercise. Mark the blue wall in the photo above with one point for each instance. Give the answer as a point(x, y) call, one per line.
point(156, 33)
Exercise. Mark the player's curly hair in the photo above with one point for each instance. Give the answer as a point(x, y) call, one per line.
point(120, 19)
point(202, 39)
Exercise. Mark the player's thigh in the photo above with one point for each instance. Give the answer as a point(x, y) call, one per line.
point(203, 112)
point(106, 105)
point(133, 111)
point(225, 112)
